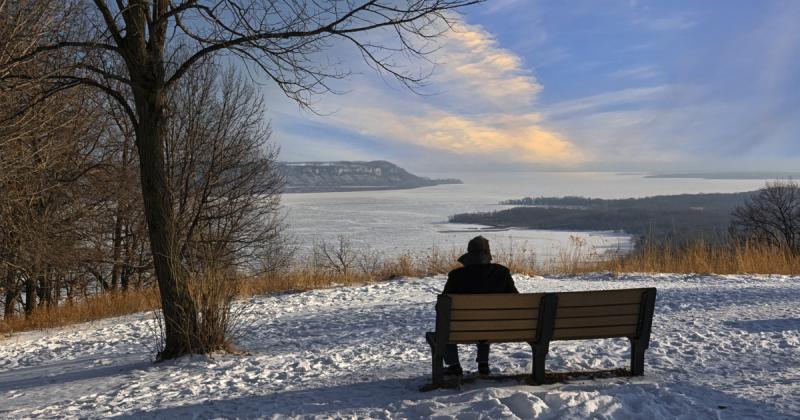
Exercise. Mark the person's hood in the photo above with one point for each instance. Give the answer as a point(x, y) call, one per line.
point(475, 258)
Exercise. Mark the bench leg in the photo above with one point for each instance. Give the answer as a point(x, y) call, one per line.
point(437, 360)
point(539, 356)
point(637, 357)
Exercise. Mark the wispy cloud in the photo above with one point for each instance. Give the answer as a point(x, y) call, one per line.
point(666, 23)
point(496, 6)
point(496, 137)
point(473, 65)
point(644, 71)
point(484, 106)
point(602, 102)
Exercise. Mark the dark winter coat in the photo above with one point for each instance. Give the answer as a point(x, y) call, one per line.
point(480, 278)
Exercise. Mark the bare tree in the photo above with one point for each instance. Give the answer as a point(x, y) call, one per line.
point(43, 197)
point(222, 167)
point(114, 232)
point(147, 46)
point(45, 152)
point(771, 216)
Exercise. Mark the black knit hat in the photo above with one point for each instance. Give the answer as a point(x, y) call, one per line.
point(477, 252)
point(478, 244)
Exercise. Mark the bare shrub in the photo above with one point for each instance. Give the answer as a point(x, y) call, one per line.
point(369, 261)
point(338, 257)
point(214, 287)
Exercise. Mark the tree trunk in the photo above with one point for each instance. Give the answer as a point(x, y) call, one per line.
point(143, 48)
point(30, 294)
point(127, 263)
point(12, 293)
point(180, 314)
point(10, 303)
point(117, 244)
point(41, 288)
point(118, 223)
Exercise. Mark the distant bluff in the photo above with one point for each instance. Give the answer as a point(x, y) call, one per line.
point(352, 176)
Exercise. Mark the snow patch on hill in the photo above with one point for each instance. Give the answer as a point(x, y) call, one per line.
point(722, 347)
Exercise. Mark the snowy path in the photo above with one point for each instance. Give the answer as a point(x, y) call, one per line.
point(722, 347)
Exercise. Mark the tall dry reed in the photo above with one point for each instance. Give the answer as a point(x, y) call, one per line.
point(706, 258)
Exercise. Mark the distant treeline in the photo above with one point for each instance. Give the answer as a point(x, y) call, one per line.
point(660, 202)
point(673, 217)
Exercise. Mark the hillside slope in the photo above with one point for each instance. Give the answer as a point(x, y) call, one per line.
point(722, 347)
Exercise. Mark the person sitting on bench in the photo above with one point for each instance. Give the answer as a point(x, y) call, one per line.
point(478, 275)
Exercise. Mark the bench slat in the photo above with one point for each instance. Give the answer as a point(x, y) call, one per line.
point(593, 332)
point(488, 314)
point(631, 309)
point(520, 324)
point(600, 297)
point(598, 321)
point(500, 300)
point(505, 336)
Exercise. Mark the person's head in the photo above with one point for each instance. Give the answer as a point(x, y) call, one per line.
point(478, 252)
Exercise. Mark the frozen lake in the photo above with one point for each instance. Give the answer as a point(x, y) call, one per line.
point(414, 221)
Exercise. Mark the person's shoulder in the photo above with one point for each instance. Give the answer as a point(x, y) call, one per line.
point(500, 267)
point(457, 271)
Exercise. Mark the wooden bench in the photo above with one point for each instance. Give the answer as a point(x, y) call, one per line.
point(539, 318)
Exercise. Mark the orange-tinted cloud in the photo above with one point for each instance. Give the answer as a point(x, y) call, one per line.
point(485, 106)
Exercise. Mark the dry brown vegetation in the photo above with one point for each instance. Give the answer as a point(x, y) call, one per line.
point(705, 258)
point(95, 307)
point(698, 257)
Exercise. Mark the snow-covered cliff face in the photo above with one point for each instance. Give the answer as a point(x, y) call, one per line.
point(346, 176)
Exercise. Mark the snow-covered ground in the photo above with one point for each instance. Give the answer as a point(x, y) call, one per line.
point(722, 347)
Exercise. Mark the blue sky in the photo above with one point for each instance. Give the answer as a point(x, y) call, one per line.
point(576, 85)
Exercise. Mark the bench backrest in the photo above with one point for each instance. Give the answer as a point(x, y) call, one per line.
point(494, 317)
point(532, 317)
point(599, 314)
